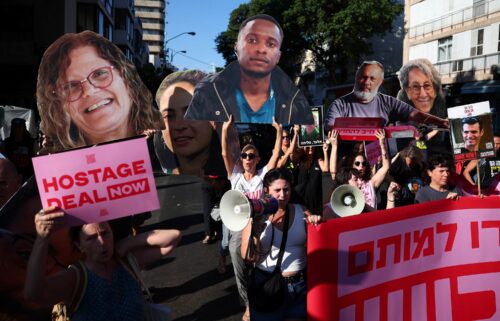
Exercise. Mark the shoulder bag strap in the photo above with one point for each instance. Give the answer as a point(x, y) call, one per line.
point(132, 267)
point(81, 286)
point(283, 241)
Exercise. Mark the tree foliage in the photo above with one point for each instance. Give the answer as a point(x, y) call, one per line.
point(335, 31)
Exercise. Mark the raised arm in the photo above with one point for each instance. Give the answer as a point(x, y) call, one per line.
point(379, 176)
point(226, 153)
point(323, 163)
point(333, 138)
point(423, 118)
point(391, 194)
point(277, 146)
point(150, 246)
point(293, 147)
point(39, 288)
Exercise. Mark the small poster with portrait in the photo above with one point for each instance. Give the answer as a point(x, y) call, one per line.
point(312, 135)
point(471, 131)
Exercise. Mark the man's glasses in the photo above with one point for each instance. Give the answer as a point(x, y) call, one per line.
point(99, 78)
point(358, 163)
point(249, 155)
point(417, 88)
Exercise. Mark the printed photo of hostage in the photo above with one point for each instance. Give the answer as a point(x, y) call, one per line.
point(253, 89)
point(472, 134)
point(88, 92)
point(312, 135)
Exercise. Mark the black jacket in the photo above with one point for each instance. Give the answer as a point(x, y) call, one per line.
point(214, 98)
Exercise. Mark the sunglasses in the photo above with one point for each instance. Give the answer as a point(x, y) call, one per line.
point(249, 155)
point(358, 163)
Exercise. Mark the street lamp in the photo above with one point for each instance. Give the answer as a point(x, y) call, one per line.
point(191, 33)
point(174, 53)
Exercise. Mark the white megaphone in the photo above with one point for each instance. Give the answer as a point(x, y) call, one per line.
point(347, 200)
point(236, 209)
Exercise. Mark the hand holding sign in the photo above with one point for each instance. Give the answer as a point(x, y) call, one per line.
point(48, 220)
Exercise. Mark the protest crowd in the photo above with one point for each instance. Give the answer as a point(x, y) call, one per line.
point(245, 141)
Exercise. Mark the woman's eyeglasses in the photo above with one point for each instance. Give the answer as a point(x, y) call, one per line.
point(99, 78)
point(415, 88)
point(249, 155)
point(358, 163)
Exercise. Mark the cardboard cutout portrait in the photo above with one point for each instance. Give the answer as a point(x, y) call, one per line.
point(88, 92)
point(253, 89)
point(185, 146)
point(472, 131)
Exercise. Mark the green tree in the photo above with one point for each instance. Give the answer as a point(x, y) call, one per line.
point(152, 77)
point(335, 31)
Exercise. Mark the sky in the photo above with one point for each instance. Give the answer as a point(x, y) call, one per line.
point(207, 19)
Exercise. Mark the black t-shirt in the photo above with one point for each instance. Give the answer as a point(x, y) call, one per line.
point(428, 194)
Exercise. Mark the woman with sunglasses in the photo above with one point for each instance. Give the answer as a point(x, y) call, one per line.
point(369, 182)
point(88, 92)
point(246, 178)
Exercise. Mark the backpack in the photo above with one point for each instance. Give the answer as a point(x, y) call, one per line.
point(61, 311)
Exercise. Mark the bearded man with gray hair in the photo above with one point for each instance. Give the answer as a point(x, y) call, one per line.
point(365, 101)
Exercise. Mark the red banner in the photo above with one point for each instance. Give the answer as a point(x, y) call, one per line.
point(436, 261)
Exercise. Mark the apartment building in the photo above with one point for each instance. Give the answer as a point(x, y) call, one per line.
point(152, 15)
point(28, 27)
point(462, 39)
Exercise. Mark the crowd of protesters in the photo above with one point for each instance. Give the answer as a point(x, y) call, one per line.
point(302, 179)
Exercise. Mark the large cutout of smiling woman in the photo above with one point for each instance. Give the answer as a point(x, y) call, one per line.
point(89, 93)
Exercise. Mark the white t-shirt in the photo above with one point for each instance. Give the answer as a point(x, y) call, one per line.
point(253, 188)
point(295, 256)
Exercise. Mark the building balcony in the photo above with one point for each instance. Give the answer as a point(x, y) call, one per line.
point(481, 11)
point(152, 26)
point(151, 4)
point(153, 49)
point(468, 69)
point(147, 37)
point(151, 15)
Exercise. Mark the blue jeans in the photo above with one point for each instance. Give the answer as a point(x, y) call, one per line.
point(294, 307)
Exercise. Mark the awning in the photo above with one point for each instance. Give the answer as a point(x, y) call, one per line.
point(481, 87)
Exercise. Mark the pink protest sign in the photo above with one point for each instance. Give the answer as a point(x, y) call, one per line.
point(357, 128)
point(98, 183)
point(436, 261)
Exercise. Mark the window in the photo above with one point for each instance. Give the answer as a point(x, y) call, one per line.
point(458, 65)
point(105, 28)
point(479, 8)
point(121, 19)
point(477, 42)
point(86, 17)
point(444, 49)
